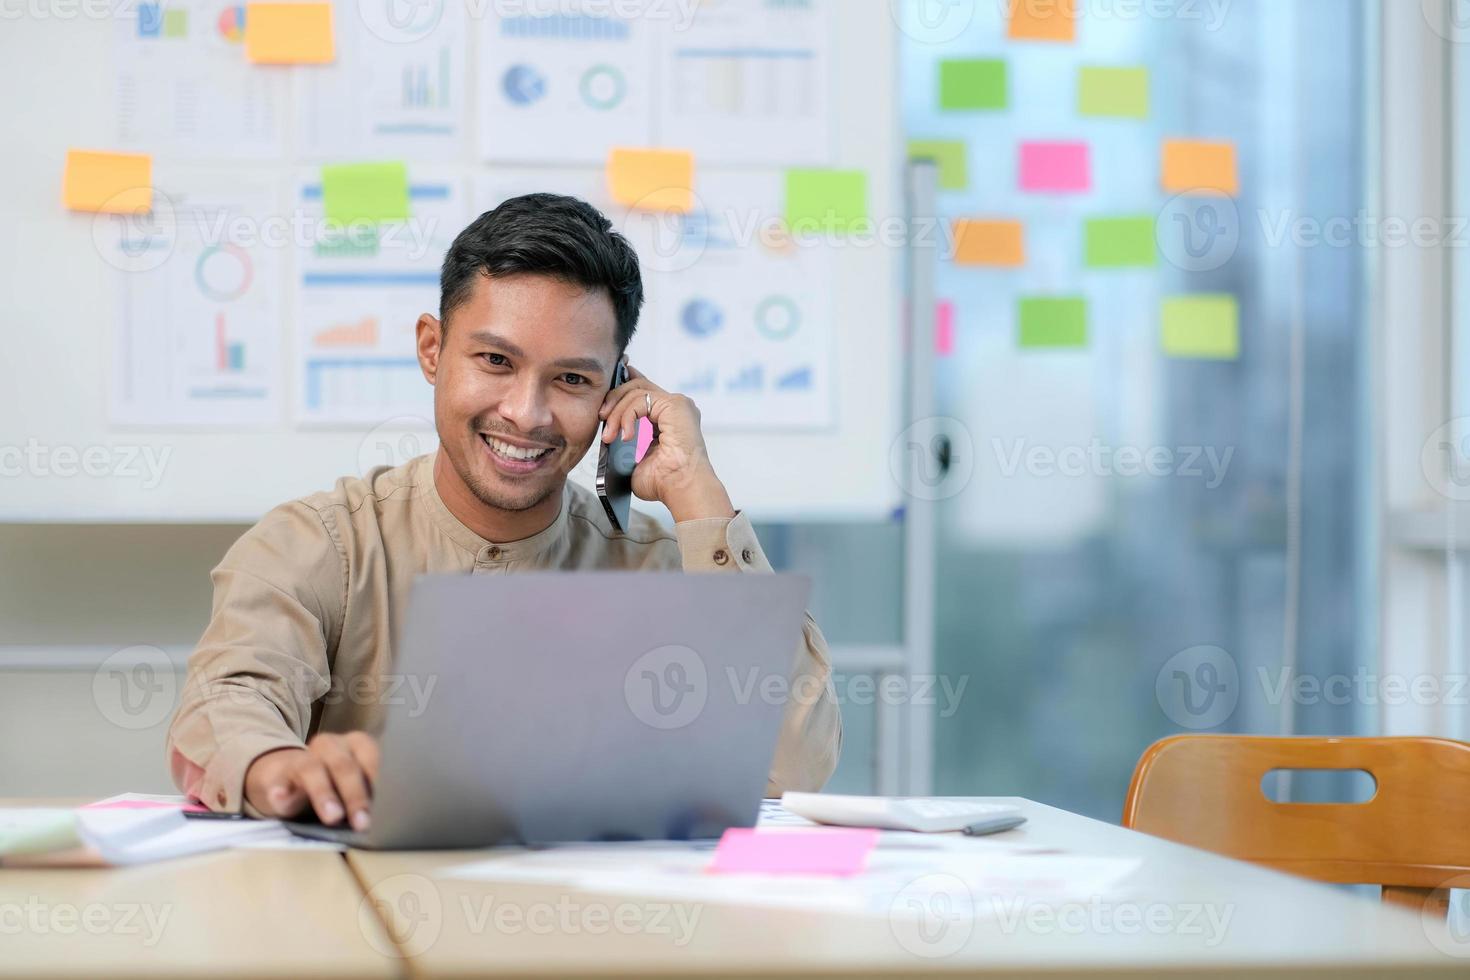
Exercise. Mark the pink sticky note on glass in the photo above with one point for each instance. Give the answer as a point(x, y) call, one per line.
point(840, 851)
point(944, 328)
point(645, 438)
point(1056, 168)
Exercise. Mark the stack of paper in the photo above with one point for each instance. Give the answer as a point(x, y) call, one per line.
point(127, 829)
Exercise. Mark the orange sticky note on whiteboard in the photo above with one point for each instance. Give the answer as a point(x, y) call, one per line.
point(289, 33)
point(1044, 20)
point(1198, 165)
point(112, 183)
point(989, 243)
point(652, 180)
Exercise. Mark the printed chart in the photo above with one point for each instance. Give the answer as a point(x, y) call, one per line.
point(183, 88)
point(397, 88)
point(360, 292)
point(197, 337)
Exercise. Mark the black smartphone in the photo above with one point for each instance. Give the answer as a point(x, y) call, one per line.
point(615, 462)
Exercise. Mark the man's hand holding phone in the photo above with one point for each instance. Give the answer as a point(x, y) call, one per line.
point(332, 776)
point(676, 470)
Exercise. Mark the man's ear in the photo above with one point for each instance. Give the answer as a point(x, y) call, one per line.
point(429, 339)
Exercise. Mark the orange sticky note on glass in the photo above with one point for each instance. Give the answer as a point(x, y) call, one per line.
point(652, 180)
point(112, 183)
point(989, 243)
point(1199, 165)
point(289, 33)
point(1044, 20)
point(829, 851)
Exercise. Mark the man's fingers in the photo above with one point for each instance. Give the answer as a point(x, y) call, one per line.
point(284, 800)
point(312, 776)
point(347, 774)
point(364, 749)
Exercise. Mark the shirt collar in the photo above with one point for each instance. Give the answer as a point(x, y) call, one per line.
point(482, 548)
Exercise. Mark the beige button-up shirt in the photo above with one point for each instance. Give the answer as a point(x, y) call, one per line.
point(307, 602)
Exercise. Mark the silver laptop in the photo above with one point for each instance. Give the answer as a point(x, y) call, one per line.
point(582, 707)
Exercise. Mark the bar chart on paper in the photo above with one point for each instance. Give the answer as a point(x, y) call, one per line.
point(402, 93)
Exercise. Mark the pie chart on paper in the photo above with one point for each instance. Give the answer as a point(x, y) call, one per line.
point(700, 317)
point(523, 84)
point(231, 24)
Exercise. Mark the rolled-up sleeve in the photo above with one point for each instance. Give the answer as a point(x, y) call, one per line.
point(811, 730)
point(263, 659)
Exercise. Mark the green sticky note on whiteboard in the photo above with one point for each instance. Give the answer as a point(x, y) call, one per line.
point(954, 172)
point(1053, 322)
point(365, 192)
point(973, 83)
point(1121, 93)
point(1121, 243)
point(826, 200)
point(1202, 327)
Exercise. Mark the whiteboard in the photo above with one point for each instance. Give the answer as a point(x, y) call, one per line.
point(63, 458)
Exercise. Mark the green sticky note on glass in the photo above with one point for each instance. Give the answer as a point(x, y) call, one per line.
point(1121, 243)
point(954, 171)
point(826, 200)
point(973, 83)
point(1121, 93)
point(1203, 327)
point(365, 192)
point(1053, 322)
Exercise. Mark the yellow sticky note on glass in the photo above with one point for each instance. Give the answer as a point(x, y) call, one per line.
point(353, 193)
point(1044, 20)
point(999, 244)
point(652, 180)
point(112, 183)
point(1200, 165)
point(952, 158)
point(1050, 322)
point(289, 33)
point(826, 200)
point(1205, 327)
point(1119, 93)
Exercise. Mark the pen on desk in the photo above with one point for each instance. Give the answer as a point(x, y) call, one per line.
point(212, 815)
point(993, 825)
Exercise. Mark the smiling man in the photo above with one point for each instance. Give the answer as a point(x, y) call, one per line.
point(539, 299)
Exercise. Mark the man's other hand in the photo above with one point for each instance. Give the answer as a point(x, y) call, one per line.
point(334, 773)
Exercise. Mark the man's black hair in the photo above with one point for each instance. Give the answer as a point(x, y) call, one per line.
point(547, 235)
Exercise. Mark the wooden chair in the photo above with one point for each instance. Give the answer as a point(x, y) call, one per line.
point(1411, 837)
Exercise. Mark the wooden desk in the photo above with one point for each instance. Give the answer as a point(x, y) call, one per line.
point(1277, 926)
point(225, 914)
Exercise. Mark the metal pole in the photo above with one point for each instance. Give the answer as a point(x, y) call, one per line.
point(922, 182)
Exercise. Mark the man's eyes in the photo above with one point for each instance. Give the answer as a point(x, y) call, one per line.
point(499, 360)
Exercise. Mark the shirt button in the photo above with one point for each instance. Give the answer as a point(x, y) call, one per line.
point(746, 556)
point(221, 798)
point(721, 557)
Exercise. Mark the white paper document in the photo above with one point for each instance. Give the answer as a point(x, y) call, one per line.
point(982, 879)
point(359, 293)
point(183, 89)
point(396, 89)
point(196, 339)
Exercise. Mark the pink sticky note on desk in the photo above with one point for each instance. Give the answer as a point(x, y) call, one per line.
point(839, 851)
point(1056, 168)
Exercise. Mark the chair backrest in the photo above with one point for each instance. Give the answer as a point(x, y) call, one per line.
point(1205, 791)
